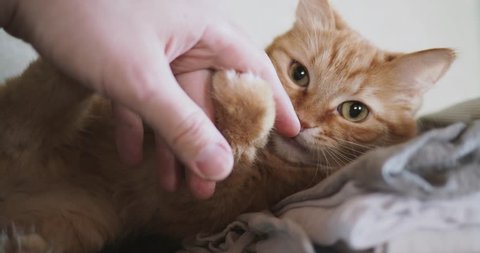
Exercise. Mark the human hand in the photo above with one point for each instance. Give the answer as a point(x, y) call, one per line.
point(152, 59)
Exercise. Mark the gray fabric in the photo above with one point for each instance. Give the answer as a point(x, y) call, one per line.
point(394, 190)
point(429, 182)
point(441, 163)
point(465, 112)
point(254, 232)
point(366, 220)
point(458, 240)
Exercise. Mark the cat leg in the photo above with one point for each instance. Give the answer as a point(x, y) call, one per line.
point(63, 221)
point(13, 240)
point(40, 109)
point(245, 111)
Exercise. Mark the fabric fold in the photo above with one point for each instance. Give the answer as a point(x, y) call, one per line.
point(430, 182)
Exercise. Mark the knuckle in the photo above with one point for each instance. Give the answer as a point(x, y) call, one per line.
point(191, 132)
point(129, 80)
point(145, 84)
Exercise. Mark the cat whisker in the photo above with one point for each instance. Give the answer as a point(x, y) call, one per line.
point(354, 151)
point(343, 158)
point(328, 169)
point(317, 170)
point(366, 146)
point(334, 156)
point(326, 160)
point(324, 157)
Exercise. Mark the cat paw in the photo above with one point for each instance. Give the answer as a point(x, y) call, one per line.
point(15, 239)
point(245, 110)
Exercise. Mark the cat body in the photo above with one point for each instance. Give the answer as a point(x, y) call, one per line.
point(60, 173)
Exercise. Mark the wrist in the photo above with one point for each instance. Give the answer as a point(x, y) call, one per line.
point(7, 12)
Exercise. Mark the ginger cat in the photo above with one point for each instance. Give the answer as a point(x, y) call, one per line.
point(64, 189)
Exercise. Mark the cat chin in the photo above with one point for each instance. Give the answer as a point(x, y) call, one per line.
point(292, 151)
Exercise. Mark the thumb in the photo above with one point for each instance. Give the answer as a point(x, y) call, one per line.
point(185, 127)
point(128, 134)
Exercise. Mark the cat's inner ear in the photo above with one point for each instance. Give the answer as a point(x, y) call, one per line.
point(419, 71)
point(315, 13)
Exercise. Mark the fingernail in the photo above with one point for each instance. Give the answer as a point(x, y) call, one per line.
point(214, 162)
point(288, 127)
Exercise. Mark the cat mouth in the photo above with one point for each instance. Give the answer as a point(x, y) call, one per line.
point(294, 143)
point(294, 150)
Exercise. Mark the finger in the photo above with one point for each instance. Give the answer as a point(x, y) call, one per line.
point(286, 120)
point(184, 127)
point(197, 85)
point(128, 135)
point(169, 170)
point(238, 53)
point(201, 188)
point(222, 48)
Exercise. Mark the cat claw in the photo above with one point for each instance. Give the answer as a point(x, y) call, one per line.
point(13, 239)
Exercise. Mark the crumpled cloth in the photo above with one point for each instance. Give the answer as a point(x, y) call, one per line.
point(466, 111)
point(430, 182)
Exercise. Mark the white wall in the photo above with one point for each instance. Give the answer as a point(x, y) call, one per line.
point(14, 55)
point(405, 25)
point(402, 25)
point(410, 25)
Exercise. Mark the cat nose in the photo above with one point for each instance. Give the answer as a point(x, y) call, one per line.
point(304, 125)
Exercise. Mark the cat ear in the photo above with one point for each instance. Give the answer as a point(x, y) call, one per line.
point(417, 72)
point(315, 13)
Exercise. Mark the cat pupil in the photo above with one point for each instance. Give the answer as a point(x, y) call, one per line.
point(299, 73)
point(355, 110)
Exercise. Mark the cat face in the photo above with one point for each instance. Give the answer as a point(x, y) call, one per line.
point(349, 95)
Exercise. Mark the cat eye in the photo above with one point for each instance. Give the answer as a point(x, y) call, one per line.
point(353, 111)
point(299, 74)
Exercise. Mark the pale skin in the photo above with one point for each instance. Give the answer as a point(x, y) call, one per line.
point(153, 59)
